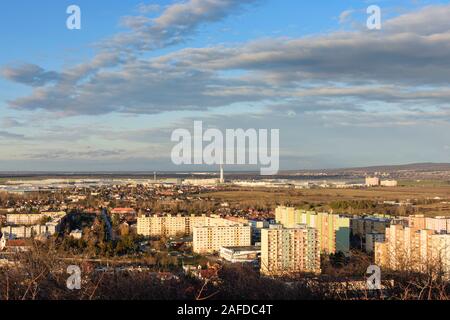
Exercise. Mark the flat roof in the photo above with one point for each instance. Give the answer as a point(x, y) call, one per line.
point(245, 248)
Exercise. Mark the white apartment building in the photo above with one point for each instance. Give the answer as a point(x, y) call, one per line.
point(438, 224)
point(441, 251)
point(240, 254)
point(21, 232)
point(174, 225)
point(31, 218)
point(407, 248)
point(389, 183)
point(210, 233)
point(29, 225)
point(209, 239)
point(23, 219)
point(373, 181)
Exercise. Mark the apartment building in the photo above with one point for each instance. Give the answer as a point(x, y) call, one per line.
point(210, 233)
point(441, 251)
point(20, 232)
point(257, 226)
point(333, 230)
point(19, 226)
point(407, 248)
point(250, 254)
point(361, 226)
point(371, 239)
point(395, 252)
point(31, 218)
point(174, 225)
point(389, 183)
point(438, 224)
point(287, 251)
point(417, 222)
point(373, 181)
point(210, 239)
point(288, 216)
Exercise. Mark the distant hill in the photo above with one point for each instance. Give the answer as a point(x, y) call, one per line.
point(405, 167)
point(406, 171)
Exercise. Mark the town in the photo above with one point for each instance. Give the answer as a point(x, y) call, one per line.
point(173, 228)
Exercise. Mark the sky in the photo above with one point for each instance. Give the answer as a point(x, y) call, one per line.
point(107, 97)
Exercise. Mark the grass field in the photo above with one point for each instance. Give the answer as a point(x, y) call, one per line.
point(424, 183)
point(327, 195)
point(273, 197)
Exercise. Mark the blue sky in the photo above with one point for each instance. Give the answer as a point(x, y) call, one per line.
point(108, 96)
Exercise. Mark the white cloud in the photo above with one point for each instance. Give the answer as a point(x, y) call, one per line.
point(144, 8)
point(345, 16)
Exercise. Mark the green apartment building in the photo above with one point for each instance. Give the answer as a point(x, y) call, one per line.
point(333, 230)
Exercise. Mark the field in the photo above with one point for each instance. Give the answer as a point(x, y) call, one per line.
point(431, 200)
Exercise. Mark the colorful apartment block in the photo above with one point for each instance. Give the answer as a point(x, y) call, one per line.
point(333, 230)
point(409, 248)
point(287, 251)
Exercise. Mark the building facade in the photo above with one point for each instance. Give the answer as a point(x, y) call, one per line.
point(417, 222)
point(210, 233)
point(373, 181)
point(31, 218)
point(389, 183)
point(210, 239)
point(371, 239)
point(250, 254)
point(333, 230)
point(257, 226)
point(361, 226)
point(175, 225)
point(408, 248)
point(287, 251)
point(21, 232)
point(19, 226)
point(438, 224)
